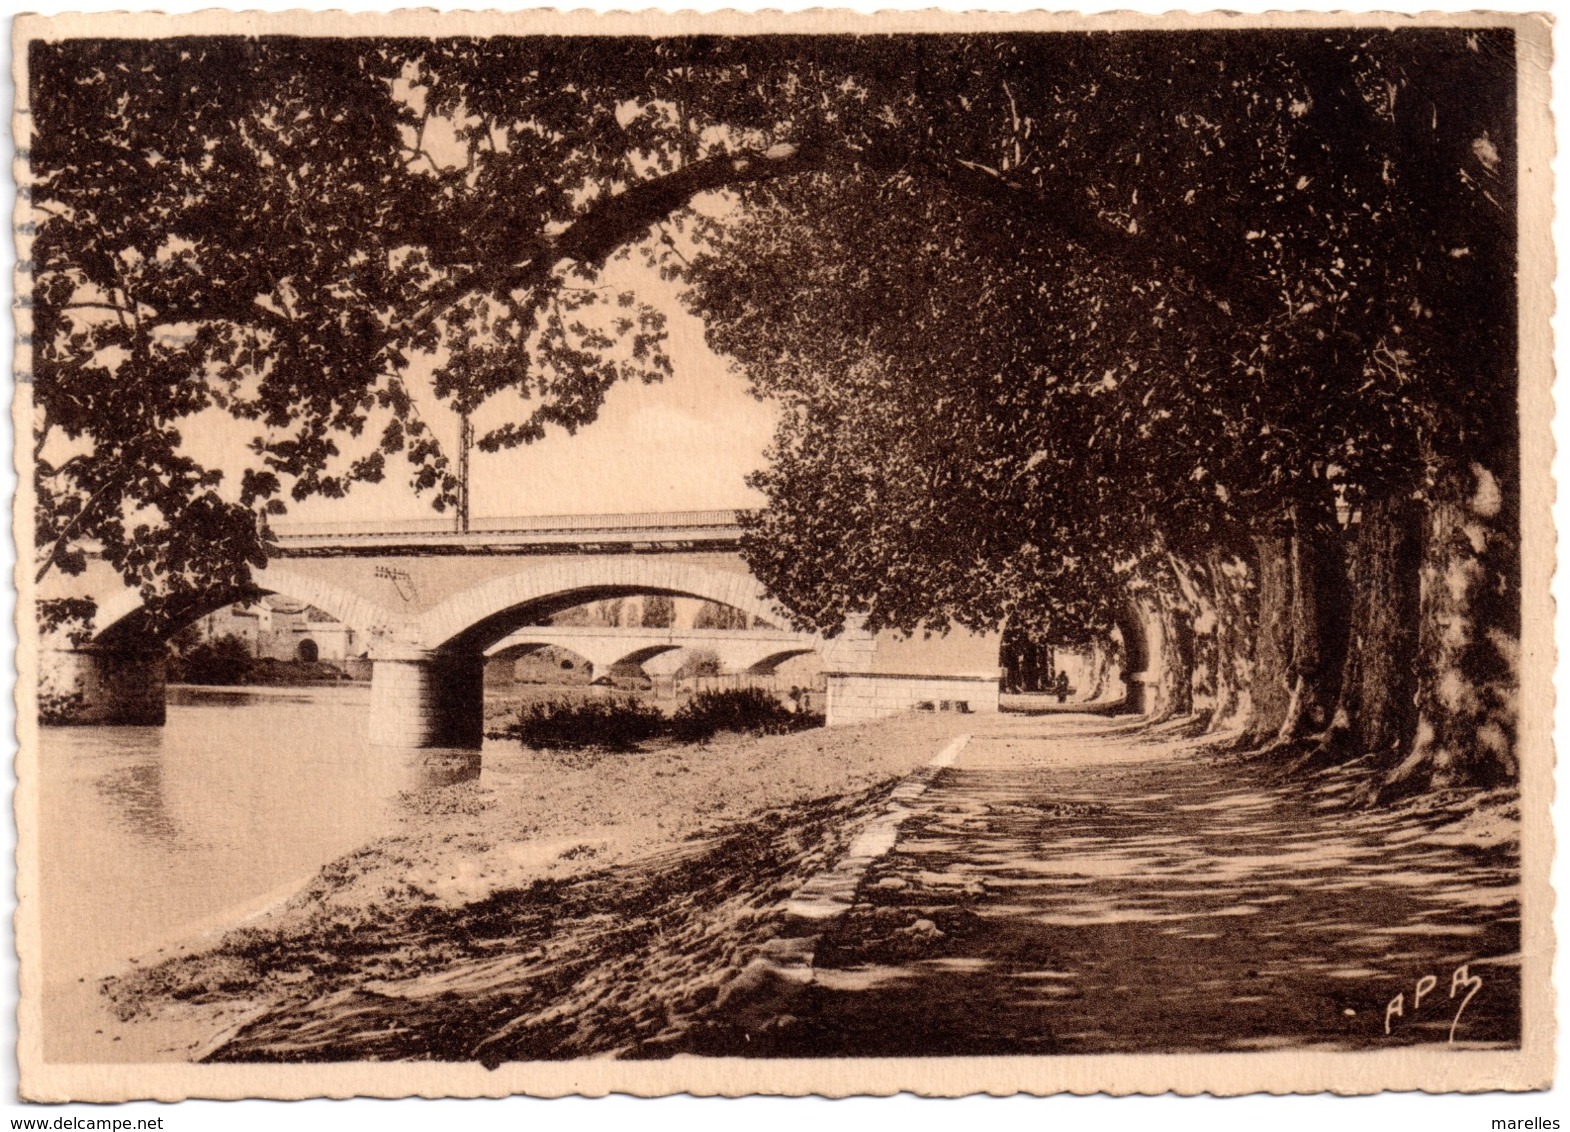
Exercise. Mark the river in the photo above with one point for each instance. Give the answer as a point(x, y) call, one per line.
point(151, 834)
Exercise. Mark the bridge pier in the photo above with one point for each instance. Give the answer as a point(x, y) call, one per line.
point(99, 686)
point(426, 699)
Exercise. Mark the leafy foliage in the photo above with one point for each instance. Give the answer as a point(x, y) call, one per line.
point(623, 724)
point(659, 611)
point(742, 710)
point(701, 662)
point(224, 660)
point(989, 418)
point(1145, 293)
point(611, 724)
point(59, 709)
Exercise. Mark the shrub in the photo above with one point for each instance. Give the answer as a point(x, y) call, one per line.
point(58, 709)
point(750, 710)
point(294, 673)
point(223, 660)
point(615, 725)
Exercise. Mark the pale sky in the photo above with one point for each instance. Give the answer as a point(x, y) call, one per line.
point(682, 444)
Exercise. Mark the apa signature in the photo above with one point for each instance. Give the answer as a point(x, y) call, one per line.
point(1462, 983)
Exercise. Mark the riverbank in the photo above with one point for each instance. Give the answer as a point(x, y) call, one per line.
point(547, 867)
point(1066, 885)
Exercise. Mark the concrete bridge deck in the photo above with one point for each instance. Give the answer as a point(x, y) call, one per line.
point(625, 532)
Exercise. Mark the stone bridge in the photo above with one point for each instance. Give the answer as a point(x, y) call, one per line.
point(737, 650)
point(431, 604)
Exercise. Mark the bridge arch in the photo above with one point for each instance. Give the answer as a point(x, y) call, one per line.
point(120, 618)
point(601, 653)
point(768, 664)
point(478, 617)
point(639, 655)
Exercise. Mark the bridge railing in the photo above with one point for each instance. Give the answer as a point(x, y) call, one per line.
point(513, 524)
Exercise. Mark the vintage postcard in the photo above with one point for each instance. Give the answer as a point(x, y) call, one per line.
point(794, 554)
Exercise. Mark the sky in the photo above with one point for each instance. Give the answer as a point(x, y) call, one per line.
point(684, 444)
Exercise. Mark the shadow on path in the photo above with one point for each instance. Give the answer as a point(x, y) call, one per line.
point(1074, 887)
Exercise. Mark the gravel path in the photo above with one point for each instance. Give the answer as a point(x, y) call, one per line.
point(1068, 885)
point(1073, 886)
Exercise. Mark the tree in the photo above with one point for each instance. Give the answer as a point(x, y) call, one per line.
point(1173, 309)
point(713, 615)
point(273, 229)
point(1218, 435)
point(223, 660)
point(276, 229)
point(659, 611)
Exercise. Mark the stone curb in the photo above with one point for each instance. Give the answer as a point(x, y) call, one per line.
point(783, 968)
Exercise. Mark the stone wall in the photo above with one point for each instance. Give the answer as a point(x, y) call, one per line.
point(78, 686)
point(856, 696)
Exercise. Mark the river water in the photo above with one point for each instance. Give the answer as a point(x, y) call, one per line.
point(148, 835)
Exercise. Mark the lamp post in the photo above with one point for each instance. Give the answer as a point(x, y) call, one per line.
point(465, 442)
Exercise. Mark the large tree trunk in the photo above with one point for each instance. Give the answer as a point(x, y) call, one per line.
point(1099, 669)
point(1301, 638)
point(1179, 625)
point(1233, 635)
point(1376, 708)
point(1468, 640)
point(1318, 621)
point(1159, 667)
point(1270, 687)
point(1185, 608)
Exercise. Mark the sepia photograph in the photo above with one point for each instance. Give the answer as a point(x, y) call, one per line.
point(807, 554)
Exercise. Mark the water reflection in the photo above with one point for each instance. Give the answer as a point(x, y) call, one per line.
point(134, 794)
point(147, 834)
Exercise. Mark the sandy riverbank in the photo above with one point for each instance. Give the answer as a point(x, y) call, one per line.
point(553, 874)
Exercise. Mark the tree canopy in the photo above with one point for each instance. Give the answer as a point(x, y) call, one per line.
point(989, 418)
point(1131, 285)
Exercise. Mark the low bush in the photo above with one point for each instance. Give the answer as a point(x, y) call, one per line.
point(222, 660)
point(621, 724)
point(58, 709)
point(295, 673)
point(616, 725)
point(747, 710)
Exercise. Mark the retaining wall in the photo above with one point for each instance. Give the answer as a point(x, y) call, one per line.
point(855, 696)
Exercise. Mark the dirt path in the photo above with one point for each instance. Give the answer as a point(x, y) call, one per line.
point(1069, 885)
point(1073, 886)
